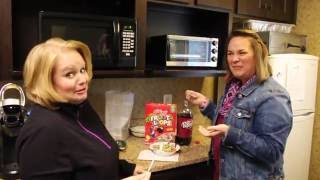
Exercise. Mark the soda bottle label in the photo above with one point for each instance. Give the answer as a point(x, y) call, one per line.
point(184, 127)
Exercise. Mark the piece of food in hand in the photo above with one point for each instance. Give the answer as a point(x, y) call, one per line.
point(204, 131)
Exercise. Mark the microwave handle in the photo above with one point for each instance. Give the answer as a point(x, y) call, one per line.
point(116, 41)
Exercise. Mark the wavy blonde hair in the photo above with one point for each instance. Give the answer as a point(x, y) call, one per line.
point(263, 68)
point(38, 69)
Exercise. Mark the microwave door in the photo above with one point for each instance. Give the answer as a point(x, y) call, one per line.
point(100, 39)
point(96, 32)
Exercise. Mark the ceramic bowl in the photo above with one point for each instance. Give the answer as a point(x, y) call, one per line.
point(137, 131)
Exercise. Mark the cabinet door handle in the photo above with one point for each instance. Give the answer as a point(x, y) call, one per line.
point(285, 6)
point(260, 4)
point(268, 7)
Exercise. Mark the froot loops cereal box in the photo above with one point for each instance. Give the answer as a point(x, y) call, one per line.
point(160, 122)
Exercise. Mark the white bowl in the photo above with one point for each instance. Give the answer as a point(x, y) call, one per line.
point(137, 131)
point(137, 134)
point(164, 148)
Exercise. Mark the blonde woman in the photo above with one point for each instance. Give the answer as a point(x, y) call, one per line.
point(63, 137)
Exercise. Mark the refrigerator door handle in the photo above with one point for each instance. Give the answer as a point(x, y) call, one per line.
point(303, 114)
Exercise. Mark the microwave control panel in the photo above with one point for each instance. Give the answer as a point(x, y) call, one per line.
point(128, 40)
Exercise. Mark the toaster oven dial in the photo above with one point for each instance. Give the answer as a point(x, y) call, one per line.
point(214, 51)
point(214, 43)
point(213, 59)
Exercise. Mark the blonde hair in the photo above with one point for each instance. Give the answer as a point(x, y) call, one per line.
point(38, 69)
point(263, 68)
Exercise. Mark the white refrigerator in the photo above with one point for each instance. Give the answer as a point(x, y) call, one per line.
point(298, 74)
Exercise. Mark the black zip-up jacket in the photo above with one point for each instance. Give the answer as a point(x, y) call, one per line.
point(69, 143)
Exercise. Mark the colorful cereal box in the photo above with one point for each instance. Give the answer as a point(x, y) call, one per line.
point(160, 122)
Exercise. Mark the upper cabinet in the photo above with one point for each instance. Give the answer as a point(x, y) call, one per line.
point(274, 10)
point(218, 4)
point(179, 1)
point(204, 18)
point(224, 4)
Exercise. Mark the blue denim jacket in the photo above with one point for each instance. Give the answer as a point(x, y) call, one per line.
point(260, 121)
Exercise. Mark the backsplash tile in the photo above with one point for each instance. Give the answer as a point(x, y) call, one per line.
point(147, 90)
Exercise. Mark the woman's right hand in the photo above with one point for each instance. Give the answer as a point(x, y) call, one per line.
point(143, 176)
point(196, 98)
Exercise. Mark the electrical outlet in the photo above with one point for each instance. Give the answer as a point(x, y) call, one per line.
point(167, 99)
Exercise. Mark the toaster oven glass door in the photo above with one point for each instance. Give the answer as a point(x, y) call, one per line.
point(189, 51)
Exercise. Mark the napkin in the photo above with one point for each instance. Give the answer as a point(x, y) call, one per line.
point(149, 155)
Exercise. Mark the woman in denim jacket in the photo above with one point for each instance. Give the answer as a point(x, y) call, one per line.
point(252, 120)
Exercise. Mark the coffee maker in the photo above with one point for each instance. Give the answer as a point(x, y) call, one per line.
point(12, 117)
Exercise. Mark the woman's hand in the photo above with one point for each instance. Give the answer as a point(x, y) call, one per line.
point(139, 174)
point(143, 176)
point(138, 170)
point(196, 98)
point(212, 131)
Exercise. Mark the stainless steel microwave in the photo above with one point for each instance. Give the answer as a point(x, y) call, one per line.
point(182, 51)
point(112, 40)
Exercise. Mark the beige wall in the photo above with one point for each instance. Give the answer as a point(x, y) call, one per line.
point(147, 90)
point(308, 23)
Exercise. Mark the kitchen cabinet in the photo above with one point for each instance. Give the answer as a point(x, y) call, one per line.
point(12, 11)
point(207, 18)
point(223, 4)
point(179, 1)
point(6, 39)
point(198, 171)
point(197, 19)
point(274, 10)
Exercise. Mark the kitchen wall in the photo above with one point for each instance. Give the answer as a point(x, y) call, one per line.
point(308, 23)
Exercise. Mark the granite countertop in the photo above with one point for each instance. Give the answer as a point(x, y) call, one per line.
point(196, 152)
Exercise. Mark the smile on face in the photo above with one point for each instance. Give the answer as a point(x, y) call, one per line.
point(240, 58)
point(70, 77)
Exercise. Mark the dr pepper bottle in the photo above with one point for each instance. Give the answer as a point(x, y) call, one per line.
point(184, 125)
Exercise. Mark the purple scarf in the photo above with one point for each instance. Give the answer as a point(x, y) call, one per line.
point(234, 89)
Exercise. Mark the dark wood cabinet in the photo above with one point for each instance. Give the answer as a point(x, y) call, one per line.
point(207, 18)
point(223, 4)
point(198, 171)
point(17, 16)
point(5, 39)
point(179, 1)
point(275, 10)
point(282, 10)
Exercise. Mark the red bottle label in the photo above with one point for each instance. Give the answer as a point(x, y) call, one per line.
point(184, 127)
